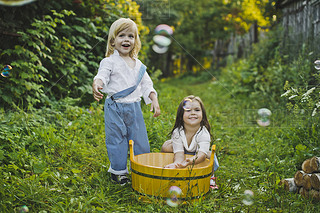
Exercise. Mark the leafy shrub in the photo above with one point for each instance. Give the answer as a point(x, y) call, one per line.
point(288, 85)
point(58, 53)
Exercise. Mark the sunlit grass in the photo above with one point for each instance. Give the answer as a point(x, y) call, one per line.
point(55, 160)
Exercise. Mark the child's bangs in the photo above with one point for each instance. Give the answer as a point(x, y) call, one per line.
point(127, 25)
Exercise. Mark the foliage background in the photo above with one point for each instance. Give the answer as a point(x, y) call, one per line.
point(55, 48)
point(52, 154)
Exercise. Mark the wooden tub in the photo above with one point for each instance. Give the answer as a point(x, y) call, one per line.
point(151, 179)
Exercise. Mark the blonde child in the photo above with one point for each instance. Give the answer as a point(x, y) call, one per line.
point(122, 76)
point(190, 135)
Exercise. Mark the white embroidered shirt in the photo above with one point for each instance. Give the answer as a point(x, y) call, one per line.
point(200, 141)
point(116, 76)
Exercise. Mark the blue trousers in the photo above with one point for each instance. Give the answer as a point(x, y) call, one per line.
point(124, 122)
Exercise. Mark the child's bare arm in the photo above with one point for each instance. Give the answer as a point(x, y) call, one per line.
point(178, 158)
point(198, 158)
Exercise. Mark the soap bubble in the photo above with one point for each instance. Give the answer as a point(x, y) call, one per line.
point(24, 209)
point(162, 39)
point(159, 49)
point(317, 64)
point(264, 114)
point(186, 105)
point(6, 71)
point(15, 2)
point(174, 193)
point(248, 197)
point(163, 29)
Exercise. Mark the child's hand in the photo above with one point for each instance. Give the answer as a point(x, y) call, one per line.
point(96, 86)
point(154, 105)
point(171, 166)
point(184, 163)
point(156, 108)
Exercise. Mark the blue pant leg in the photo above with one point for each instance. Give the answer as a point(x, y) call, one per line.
point(136, 128)
point(116, 142)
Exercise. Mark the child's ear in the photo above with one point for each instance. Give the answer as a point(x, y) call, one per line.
point(112, 42)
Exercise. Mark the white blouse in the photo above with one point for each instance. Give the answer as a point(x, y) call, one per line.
point(200, 141)
point(116, 76)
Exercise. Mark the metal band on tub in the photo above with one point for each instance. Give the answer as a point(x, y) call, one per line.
point(170, 178)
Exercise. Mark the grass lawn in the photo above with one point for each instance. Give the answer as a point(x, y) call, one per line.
point(55, 160)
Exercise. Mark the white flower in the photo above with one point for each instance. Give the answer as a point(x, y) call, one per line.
point(314, 112)
point(308, 92)
point(294, 90)
point(286, 93)
point(292, 96)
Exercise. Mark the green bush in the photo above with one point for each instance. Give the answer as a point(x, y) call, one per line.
point(57, 54)
point(287, 85)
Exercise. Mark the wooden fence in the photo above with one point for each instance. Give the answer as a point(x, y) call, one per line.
point(237, 46)
point(300, 21)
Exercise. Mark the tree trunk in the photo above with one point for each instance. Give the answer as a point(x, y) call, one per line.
point(306, 166)
point(315, 164)
point(314, 194)
point(311, 165)
point(306, 181)
point(298, 177)
point(289, 184)
point(304, 193)
point(315, 181)
point(181, 63)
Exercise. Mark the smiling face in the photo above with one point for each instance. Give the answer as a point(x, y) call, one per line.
point(192, 115)
point(124, 42)
point(191, 111)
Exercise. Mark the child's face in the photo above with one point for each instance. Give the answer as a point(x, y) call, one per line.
point(124, 42)
point(192, 113)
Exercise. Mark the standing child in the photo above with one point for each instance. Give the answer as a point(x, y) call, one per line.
point(190, 135)
point(123, 78)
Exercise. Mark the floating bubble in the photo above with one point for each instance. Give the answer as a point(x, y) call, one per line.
point(159, 49)
point(24, 209)
point(186, 105)
point(5, 74)
point(174, 194)
point(7, 68)
point(248, 197)
point(6, 71)
point(15, 2)
point(317, 64)
point(264, 115)
point(163, 29)
point(162, 40)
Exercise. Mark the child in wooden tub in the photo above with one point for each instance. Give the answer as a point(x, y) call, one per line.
point(190, 135)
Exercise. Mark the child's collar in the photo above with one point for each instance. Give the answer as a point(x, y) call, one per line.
point(115, 52)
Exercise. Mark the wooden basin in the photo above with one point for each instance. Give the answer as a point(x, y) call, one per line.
point(151, 179)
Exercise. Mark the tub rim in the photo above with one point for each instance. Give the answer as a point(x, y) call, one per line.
point(167, 171)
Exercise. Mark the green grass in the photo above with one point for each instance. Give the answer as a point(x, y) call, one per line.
point(55, 160)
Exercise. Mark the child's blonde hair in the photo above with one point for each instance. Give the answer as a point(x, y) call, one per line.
point(118, 26)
